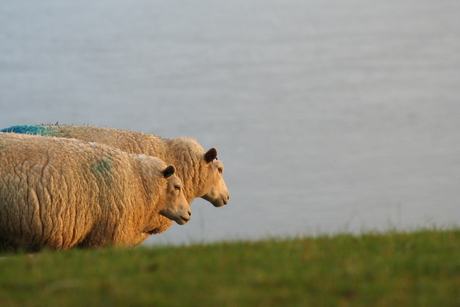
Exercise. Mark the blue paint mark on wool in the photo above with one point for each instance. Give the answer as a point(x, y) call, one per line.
point(27, 129)
point(103, 165)
point(102, 168)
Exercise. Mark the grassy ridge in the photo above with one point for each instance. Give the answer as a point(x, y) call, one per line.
point(393, 269)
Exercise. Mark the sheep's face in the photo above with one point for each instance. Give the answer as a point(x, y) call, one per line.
point(215, 190)
point(176, 207)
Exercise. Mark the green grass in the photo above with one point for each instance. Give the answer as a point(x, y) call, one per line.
point(421, 268)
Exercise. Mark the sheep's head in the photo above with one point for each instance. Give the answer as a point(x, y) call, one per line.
point(215, 190)
point(176, 207)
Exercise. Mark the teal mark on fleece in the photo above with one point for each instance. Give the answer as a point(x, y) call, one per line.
point(102, 168)
point(26, 129)
point(102, 165)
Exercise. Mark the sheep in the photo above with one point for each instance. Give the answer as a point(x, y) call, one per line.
point(59, 193)
point(200, 171)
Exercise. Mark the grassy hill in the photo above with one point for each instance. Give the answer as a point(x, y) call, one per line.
point(420, 268)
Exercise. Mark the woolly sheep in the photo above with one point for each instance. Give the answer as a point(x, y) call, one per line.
point(200, 171)
point(59, 193)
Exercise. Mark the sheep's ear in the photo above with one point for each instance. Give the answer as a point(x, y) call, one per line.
point(169, 171)
point(210, 155)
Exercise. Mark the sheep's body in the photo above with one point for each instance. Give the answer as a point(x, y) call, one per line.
point(200, 173)
point(59, 193)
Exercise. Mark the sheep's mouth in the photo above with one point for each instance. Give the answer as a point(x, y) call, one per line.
point(182, 220)
point(220, 202)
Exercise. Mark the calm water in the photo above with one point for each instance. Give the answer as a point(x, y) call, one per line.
point(329, 115)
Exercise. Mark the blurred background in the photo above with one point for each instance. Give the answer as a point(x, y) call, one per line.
point(329, 116)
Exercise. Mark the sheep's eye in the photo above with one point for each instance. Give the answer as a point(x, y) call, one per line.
point(177, 188)
point(220, 170)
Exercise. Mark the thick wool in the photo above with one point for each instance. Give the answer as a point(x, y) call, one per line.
point(59, 193)
point(184, 153)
